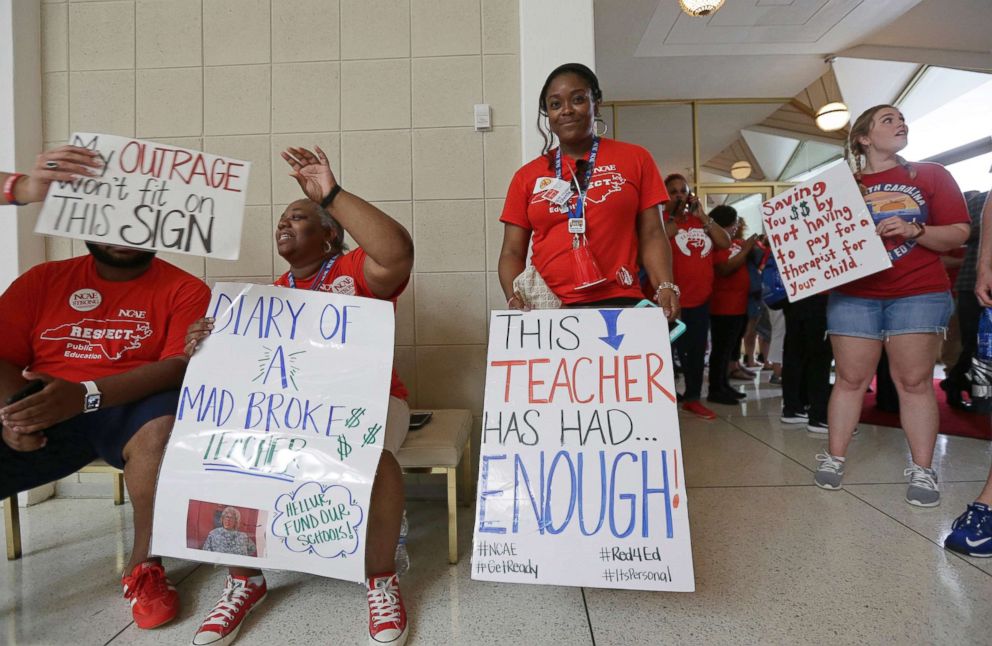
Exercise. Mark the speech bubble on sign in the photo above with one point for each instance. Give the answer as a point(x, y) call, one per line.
point(319, 520)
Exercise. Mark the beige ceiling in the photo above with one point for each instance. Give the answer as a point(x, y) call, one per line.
point(649, 49)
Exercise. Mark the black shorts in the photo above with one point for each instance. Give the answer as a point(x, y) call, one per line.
point(76, 442)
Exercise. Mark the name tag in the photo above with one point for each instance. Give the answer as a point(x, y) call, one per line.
point(576, 225)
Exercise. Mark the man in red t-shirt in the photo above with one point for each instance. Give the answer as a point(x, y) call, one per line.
point(90, 367)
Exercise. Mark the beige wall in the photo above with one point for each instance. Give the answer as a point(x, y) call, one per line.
point(386, 87)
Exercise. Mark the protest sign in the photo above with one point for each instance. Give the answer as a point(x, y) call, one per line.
point(278, 433)
point(822, 234)
point(581, 479)
point(151, 196)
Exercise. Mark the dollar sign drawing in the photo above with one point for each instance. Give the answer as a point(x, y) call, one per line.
point(356, 414)
point(370, 435)
point(344, 449)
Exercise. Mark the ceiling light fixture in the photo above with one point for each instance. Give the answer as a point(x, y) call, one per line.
point(835, 115)
point(700, 7)
point(740, 170)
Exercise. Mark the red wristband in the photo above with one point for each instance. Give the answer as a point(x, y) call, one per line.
point(8, 188)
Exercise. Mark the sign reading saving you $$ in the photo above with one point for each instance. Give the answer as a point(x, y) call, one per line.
point(151, 196)
point(822, 234)
point(581, 479)
point(281, 420)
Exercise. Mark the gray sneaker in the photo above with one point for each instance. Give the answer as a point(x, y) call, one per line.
point(922, 491)
point(830, 471)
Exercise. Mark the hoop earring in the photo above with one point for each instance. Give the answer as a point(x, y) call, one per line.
point(597, 122)
point(327, 246)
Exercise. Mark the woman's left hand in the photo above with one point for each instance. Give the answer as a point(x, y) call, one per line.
point(311, 171)
point(668, 301)
point(895, 226)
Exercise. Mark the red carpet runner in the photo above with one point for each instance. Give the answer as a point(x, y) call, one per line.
point(952, 421)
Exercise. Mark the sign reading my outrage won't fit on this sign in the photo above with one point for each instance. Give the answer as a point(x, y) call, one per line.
point(152, 196)
point(822, 234)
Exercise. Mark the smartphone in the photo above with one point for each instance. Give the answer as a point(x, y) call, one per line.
point(32, 387)
point(419, 419)
point(675, 328)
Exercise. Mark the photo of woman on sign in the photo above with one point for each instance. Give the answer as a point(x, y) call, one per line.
point(227, 538)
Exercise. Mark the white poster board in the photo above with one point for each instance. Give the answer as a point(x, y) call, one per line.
point(281, 418)
point(151, 196)
point(581, 480)
point(822, 234)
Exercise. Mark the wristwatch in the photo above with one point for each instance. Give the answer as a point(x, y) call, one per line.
point(93, 398)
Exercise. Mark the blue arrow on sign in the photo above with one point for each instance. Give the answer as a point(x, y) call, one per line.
point(611, 339)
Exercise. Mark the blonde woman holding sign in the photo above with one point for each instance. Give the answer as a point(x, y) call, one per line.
point(920, 213)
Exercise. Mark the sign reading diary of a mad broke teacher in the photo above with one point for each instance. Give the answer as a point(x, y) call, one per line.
point(822, 234)
point(581, 480)
point(151, 196)
point(278, 433)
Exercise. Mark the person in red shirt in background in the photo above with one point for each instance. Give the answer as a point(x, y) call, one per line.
point(607, 188)
point(693, 236)
point(310, 237)
point(103, 335)
point(728, 305)
point(919, 213)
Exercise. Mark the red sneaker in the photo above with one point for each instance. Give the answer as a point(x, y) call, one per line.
point(387, 616)
point(221, 626)
point(698, 410)
point(153, 597)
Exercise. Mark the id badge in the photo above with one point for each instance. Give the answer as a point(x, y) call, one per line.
point(577, 225)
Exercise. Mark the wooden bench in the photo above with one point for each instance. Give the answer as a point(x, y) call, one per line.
point(12, 517)
point(440, 447)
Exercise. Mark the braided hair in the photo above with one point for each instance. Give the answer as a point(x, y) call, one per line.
point(582, 72)
point(854, 148)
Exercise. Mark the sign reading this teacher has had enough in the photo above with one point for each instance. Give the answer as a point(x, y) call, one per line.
point(278, 433)
point(581, 479)
point(151, 196)
point(822, 234)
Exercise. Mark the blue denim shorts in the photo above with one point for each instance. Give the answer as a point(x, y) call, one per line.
point(880, 318)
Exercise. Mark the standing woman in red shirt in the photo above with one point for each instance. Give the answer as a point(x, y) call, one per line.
point(693, 236)
point(590, 207)
point(920, 214)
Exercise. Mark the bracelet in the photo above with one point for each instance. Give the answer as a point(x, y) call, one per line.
point(920, 229)
point(326, 202)
point(667, 285)
point(8, 189)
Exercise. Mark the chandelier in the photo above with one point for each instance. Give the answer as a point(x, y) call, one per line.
point(700, 7)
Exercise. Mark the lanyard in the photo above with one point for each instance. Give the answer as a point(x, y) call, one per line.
point(321, 275)
point(581, 200)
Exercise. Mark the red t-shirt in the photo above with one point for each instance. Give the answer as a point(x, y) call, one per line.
point(60, 318)
point(692, 262)
point(624, 183)
point(347, 276)
point(934, 199)
point(730, 292)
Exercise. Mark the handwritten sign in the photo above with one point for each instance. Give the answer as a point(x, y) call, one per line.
point(280, 420)
point(580, 476)
point(151, 196)
point(822, 234)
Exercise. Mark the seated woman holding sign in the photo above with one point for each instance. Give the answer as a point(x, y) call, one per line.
point(591, 207)
point(920, 213)
point(310, 237)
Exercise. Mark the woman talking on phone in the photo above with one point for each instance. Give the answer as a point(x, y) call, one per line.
point(694, 236)
point(590, 206)
point(919, 213)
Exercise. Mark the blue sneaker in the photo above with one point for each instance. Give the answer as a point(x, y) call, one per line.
point(972, 532)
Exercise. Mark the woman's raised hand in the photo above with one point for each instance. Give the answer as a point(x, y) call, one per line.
point(312, 171)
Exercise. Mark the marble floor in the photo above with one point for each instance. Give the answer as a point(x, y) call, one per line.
point(777, 561)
